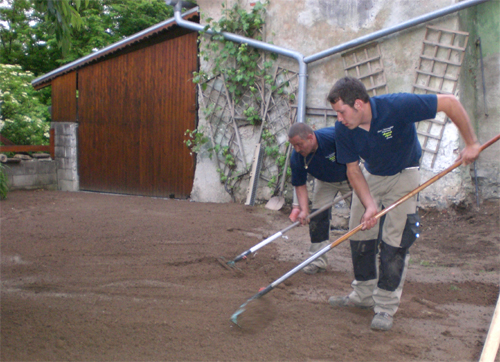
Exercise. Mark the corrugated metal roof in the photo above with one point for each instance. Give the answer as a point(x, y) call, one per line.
point(166, 25)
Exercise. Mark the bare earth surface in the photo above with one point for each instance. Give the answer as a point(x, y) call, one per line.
point(93, 277)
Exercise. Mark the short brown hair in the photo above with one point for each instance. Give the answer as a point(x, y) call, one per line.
point(348, 89)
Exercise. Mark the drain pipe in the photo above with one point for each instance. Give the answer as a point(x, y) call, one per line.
point(301, 107)
point(301, 97)
point(381, 33)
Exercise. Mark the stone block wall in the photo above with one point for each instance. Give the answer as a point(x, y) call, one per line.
point(31, 174)
point(65, 147)
point(59, 174)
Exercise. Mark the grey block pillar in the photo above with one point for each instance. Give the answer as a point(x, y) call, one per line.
point(65, 144)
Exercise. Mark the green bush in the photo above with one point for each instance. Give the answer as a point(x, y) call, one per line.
point(3, 183)
point(24, 119)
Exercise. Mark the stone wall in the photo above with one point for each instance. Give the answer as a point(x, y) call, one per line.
point(65, 144)
point(312, 26)
point(24, 172)
point(480, 89)
point(31, 174)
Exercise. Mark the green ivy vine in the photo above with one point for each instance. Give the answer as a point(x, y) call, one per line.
point(4, 188)
point(239, 63)
point(243, 69)
point(272, 150)
point(195, 139)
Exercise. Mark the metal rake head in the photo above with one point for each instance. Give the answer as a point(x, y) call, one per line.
point(229, 265)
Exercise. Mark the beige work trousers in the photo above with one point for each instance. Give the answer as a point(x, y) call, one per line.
point(385, 190)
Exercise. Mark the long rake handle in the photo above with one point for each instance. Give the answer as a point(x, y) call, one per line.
point(279, 233)
point(358, 228)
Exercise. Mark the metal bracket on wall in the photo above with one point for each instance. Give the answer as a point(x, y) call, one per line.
point(438, 72)
point(365, 64)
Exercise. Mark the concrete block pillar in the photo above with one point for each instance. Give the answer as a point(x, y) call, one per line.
point(65, 149)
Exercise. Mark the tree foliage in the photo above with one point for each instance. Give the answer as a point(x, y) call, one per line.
point(61, 17)
point(38, 36)
point(4, 188)
point(28, 37)
point(23, 117)
point(238, 62)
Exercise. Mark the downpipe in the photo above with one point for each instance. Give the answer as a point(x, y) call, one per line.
point(301, 97)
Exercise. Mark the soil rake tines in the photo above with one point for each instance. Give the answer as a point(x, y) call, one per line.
point(264, 291)
point(225, 264)
point(273, 237)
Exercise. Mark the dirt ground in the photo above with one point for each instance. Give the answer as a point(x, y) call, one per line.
point(93, 277)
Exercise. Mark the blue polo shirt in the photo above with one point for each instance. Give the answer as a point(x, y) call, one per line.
point(391, 145)
point(323, 165)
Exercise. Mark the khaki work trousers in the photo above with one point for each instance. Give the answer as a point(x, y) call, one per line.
point(385, 190)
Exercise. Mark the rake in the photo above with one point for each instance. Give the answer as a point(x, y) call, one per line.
point(280, 233)
point(264, 291)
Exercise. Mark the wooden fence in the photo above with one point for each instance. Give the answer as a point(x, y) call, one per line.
point(10, 147)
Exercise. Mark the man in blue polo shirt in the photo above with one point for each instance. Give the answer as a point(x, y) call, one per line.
point(314, 153)
point(381, 132)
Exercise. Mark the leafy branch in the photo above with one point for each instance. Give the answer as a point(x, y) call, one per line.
point(195, 139)
point(240, 64)
point(4, 188)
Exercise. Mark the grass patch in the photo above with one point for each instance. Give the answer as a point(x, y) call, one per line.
point(422, 262)
point(425, 263)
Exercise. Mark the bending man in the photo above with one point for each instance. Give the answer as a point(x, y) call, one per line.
point(314, 152)
point(381, 131)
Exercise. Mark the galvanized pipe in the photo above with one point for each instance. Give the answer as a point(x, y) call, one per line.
point(384, 32)
point(301, 97)
point(303, 61)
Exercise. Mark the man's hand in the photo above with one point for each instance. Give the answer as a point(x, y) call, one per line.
point(358, 183)
point(303, 217)
point(303, 200)
point(469, 154)
point(368, 220)
point(455, 111)
point(294, 214)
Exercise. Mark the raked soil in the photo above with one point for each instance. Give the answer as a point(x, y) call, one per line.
point(97, 277)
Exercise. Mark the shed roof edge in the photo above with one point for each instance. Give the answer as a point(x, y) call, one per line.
point(45, 79)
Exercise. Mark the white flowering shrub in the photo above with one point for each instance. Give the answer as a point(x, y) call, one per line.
point(24, 119)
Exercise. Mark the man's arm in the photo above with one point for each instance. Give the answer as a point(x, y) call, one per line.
point(303, 198)
point(450, 105)
point(358, 183)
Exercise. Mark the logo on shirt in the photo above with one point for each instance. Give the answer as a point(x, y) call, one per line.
point(331, 157)
point(386, 132)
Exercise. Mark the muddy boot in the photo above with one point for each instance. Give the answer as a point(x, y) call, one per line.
point(346, 302)
point(382, 322)
point(319, 265)
point(313, 269)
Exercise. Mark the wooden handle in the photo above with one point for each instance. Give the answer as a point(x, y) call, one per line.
point(493, 338)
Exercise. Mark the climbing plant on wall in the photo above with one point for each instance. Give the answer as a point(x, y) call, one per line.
point(240, 64)
point(240, 86)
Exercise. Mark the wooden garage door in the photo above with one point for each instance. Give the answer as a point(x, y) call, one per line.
point(133, 111)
